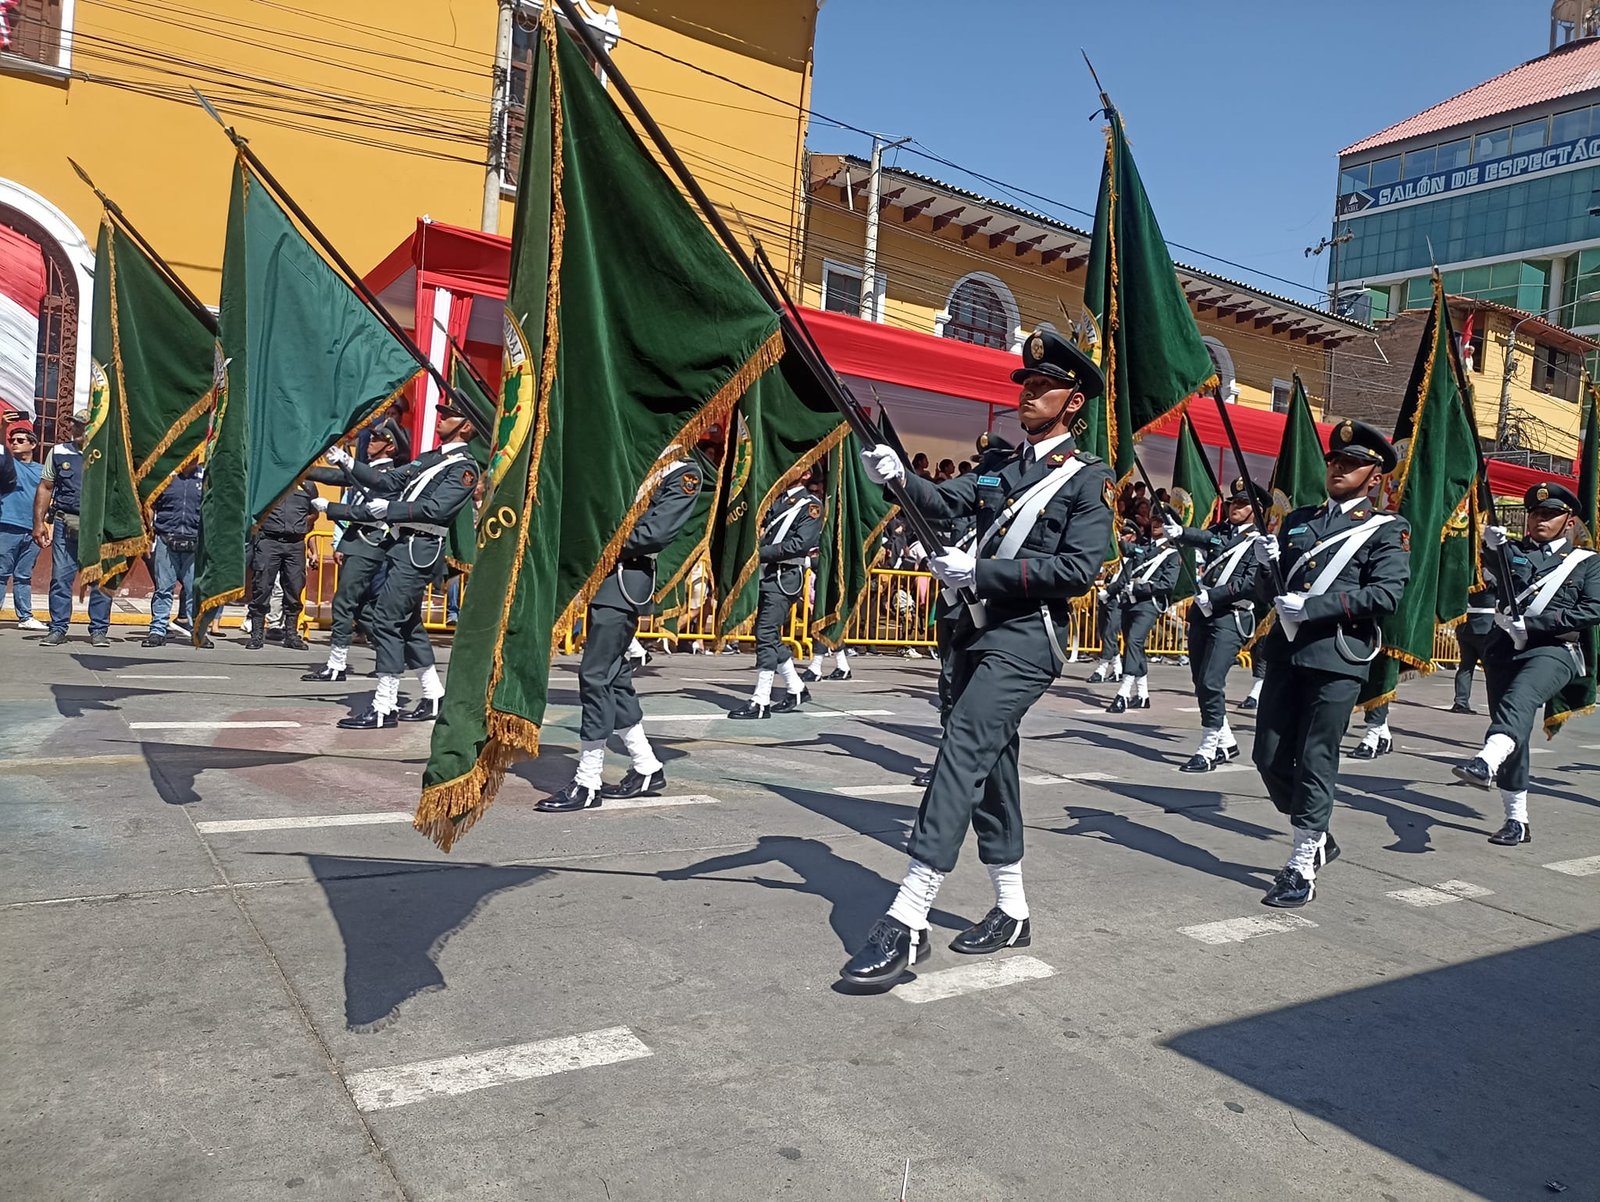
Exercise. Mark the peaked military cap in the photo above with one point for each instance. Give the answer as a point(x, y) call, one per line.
point(1242, 490)
point(391, 429)
point(1551, 495)
point(1046, 353)
point(1357, 440)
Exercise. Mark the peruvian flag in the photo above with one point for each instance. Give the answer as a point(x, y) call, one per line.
point(1466, 340)
point(22, 286)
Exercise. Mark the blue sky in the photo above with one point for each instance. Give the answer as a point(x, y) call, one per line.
point(1236, 109)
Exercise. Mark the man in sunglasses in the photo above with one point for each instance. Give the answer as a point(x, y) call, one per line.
point(19, 482)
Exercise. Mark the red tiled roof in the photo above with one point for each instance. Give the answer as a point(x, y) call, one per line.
point(1565, 71)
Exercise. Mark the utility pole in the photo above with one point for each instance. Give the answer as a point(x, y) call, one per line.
point(500, 91)
point(1331, 244)
point(869, 264)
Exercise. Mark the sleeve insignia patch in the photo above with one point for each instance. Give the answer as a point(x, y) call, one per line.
point(1405, 540)
point(813, 510)
point(691, 483)
point(1108, 494)
point(469, 478)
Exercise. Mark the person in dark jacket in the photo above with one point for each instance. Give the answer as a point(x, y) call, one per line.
point(1470, 637)
point(176, 525)
point(279, 554)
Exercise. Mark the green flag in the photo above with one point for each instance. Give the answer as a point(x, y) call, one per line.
point(629, 332)
point(1147, 343)
point(857, 514)
point(1301, 471)
point(305, 363)
point(461, 545)
point(1194, 496)
point(787, 423)
point(1435, 490)
point(150, 392)
point(1579, 697)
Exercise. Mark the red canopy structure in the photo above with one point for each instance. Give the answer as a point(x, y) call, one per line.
point(448, 285)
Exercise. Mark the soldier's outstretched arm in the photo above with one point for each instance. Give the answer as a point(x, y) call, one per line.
point(1563, 616)
point(1084, 537)
point(1383, 580)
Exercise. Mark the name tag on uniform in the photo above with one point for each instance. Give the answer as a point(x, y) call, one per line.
point(989, 481)
point(1298, 530)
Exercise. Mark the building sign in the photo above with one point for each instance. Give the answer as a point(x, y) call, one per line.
point(1494, 171)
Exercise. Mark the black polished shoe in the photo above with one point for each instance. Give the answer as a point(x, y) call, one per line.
point(205, 643)
point(1226, 755)
point(371, 720)
point(1512, 833)
point(838, 674)
point(426, 710)
point(1461, 707)
point(1249, 703)
point(791, 702)
point(1289, 890)
point(1476, 772)
point(890, 949)
point(751, 710)
point(154, 640)
point(1366, 751)
point(326, 675)
point(1119, 705)
point(634, 784)
point(1099, 676)
point(573, 797)
point(997, 930)
point(923, 779)
point(1199, 762)
point(1138, 703)
point(1328, 852)
point(807, 675)
point(293, 642)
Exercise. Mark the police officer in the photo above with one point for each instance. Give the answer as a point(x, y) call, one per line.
point(1222, 615)
point(1143, 587)
point(789, 534)
point(1535, 649)
point(1471, 635)
point(55, 528)
point(605, 674)
point(363, 546)
point(418, 502)
point(1043, 525)
point(1344, 566)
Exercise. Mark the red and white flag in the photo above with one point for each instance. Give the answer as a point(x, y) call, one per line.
point(1466, 341)
point(22, 286)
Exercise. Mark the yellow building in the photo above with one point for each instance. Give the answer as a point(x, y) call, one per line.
point(371, 115)
point(959, 265)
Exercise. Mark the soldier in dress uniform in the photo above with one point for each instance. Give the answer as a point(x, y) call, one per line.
point(605, 674)
point(1043, 525)
point(789, 535)
point(362, 547)
point(1471, 635)
point(1344, 566)
point(1534, 650)
point(1222, 616)
point(418, 502)
point(1143, 587)
point(1110, 615)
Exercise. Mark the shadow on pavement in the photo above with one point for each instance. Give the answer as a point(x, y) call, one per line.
point(1483, 1074)
point(1413, 827)
point(1123, 831)
point(76, 700)
point(174, 768)
point(855, 747)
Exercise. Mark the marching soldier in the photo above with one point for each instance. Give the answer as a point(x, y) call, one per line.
point(1535, 649)
point(1143, 587)
point(1222, 615)
point(1376, 739)
point(1110, 606)
point(418, 502)
point(1471, 635)
point(1043, 525)
point(1258, 675)
point(789, 534)
point(1344, 567)
point(605, 674)
point(362, 547)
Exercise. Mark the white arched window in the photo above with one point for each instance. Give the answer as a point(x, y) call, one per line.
point(982, 311)
point(1225, 372)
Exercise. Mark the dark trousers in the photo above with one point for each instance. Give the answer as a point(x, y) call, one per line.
point(975, 776)
point(1519, 686)
point(1214, 645)
point(1471, 644)
point(944, 628)
point(605, 674)
point(1138, 620)
point(277, 559)
point(359, 585)
point(772, 611)
point(1303, 716)
point(398, 638)
point(1110, 628)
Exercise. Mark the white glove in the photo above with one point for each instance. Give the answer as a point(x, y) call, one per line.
point(954, 567)
point(339, 457)
point(1170, 526)
point(1495, 537)
point(1291, 606)
point(320, 504)
point(1203, 600)
point(1517, 627)
point(1103, 595)
point(377, 507)
point(1127, 592)
point(883, 464)
point(1266, 549)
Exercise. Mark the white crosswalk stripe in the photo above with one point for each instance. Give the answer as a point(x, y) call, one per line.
point(1440, 894)
point(973, 978)
point(213, 725)
point(1237, 930)
point(299, 822)
point(1587, 866)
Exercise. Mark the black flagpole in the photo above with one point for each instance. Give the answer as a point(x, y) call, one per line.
point(483, 422)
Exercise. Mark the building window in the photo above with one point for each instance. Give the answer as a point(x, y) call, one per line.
point(1282, 391)
point(1493, 145)
point(524, 36)
point(37, 31)
point(56, 356)
point(1530, 135)
point(1555, 373)
point(980, 311)
point(841, 290)
point(1474, 347)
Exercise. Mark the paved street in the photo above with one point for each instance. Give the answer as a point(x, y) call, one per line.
point(235, 972)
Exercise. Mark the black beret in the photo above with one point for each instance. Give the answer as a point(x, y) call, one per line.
point(1046, 353)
